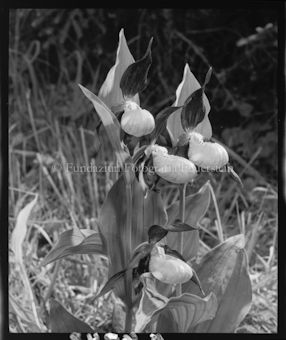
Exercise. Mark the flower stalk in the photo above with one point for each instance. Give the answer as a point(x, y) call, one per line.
point(182, 208)
point(128, 274)
point(115, 165)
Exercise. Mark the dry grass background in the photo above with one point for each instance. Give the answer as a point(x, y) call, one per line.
point(54, 123)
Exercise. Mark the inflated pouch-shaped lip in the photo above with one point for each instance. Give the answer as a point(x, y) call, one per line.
point(168, 269)
point(137, 122)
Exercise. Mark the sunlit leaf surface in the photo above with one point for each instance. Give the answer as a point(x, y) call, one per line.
point(112, 222)
point(224, 271)
point(72, 242)
point(61, 321)
point(185, 311)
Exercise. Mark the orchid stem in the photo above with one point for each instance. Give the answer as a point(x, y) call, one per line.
point(114, 174)
point(128, 235)
point(180, 246)
point(182, 202)
point(128, 274)
point(129, 309)
point(128, 320)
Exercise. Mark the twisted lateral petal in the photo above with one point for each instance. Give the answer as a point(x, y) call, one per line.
point(174, 169)
point(168, 269)
point(206, 154)
point(136, 121)
point(134, 79)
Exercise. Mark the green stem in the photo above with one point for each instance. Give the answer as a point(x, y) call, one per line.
point(180, 244)
point(114, 174)
point(129, 310)
point(182, 202)
point(128, 235)
point(128, 275)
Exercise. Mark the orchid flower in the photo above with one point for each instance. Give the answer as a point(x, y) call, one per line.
point(165, 264)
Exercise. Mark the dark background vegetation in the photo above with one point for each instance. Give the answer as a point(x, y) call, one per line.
point(69, 45)
point(51, 51)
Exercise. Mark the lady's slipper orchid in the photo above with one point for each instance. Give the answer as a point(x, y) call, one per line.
point(195, 146)
point(120, 90)
point(206, 154)
point(174, 169)
point(167, 268)
point(165, 264)
point(136, 121)
point(201, 152)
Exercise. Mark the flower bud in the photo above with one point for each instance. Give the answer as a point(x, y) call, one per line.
point(206, 154)
point(167, 268)
point(174, 169)
point(136, 121)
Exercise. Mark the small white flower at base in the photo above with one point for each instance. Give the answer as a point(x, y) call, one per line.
point(206, 154)
point(174, 169)
point(167, 268)
point(156, 336)
point(127, 337)
point(94, 337)
point(75, 336)
point(111, 336)
point(136, 121)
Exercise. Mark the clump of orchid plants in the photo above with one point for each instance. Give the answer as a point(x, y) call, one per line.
point(149, 246)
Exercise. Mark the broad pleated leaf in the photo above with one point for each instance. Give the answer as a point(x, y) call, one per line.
point(73, 241)
point(196, 207)
point(112, 128)
point(179, 226)
point(110, 92)
point(188, 85)
point(224, 271)
point(186, 310)
point(111, 283)
point(112, 222)
point(61, 321)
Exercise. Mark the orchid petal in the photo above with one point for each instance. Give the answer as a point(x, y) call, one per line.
point(188, 85)
point(110, 92)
